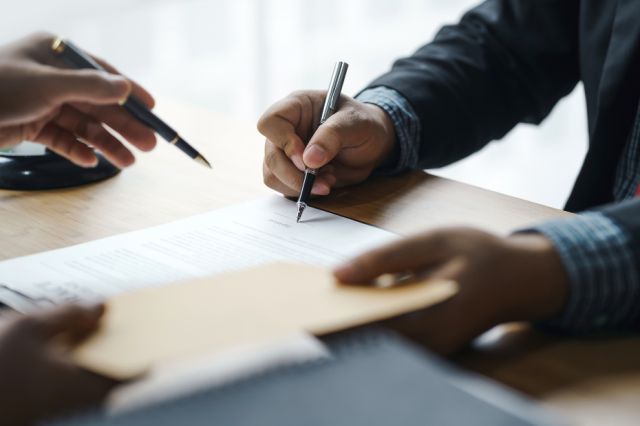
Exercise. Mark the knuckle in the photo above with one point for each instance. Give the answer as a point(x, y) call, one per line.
point(96, 81)
point(330, 132)
point(270, 159)
point(269, 178)
point(263, 123)
point(288, 146)
point(60, 143)
point(352, 114)
point(300, 100)
point(81, 127)
point(297, 94)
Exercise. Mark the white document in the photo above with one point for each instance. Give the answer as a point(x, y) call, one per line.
point(230, 238)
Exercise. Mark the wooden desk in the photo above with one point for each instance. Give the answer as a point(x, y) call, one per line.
point(594, 381)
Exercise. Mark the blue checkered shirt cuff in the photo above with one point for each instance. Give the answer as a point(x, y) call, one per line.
point(405, 122)
point(603, 277)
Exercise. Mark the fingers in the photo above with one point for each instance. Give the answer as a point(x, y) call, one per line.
point(122, 122)
point(78, 388)
point(95, 87)
point(280, 174)
point(341, 131)
point(88, 129)
point(73, 319)
point(444, 328)
point(38, 47)
point(65, 144)
point(412, 254)
point(344, 176)
point(280, 123)
point(41, 51)
point(345, 137)
point(323, 147)
point(65, 388)
point(137, 90)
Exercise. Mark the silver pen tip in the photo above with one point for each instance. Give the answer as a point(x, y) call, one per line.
point(301, 207)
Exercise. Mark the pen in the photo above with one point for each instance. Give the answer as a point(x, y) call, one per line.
point(75, 57)
point(330, 106)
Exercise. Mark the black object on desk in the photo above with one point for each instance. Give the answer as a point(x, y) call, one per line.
point(373, 378)
point(49, 171)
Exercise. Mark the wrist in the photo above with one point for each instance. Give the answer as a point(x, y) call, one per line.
point(540, 282)
point(388, 149)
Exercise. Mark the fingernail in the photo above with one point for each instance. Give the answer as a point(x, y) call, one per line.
point(320, 188)
point(330, 179)
point(315, 156)
point(297, 161)
point(91, 164)
point(344, 271)
point(122, 86)
point(117, 79)
point(96, 308)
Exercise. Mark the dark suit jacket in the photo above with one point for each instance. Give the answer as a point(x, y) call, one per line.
point(510, 61)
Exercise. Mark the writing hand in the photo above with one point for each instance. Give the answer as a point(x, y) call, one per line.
point(348, 146)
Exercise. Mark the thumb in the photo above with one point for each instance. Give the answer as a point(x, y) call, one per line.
point(73, 319)
point(91, 86)
point(328, 140)
point(413, 254)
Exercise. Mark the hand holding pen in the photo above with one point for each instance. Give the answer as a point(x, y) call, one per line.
point(76, 58)
point(330, 106)
point(64, 109)
point(345, 149)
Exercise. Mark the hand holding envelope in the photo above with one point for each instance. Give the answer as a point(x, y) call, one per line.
point(144, 329)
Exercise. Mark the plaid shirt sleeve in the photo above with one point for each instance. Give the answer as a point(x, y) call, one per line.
point(603, 276)
point(405, 122)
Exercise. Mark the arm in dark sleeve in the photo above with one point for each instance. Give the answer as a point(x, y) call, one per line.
point(507, 61)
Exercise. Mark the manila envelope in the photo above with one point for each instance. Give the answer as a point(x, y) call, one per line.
point(144, 329)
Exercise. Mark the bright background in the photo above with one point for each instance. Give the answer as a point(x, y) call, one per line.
point(239, 56)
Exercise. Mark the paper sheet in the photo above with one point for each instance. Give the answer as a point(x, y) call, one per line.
point(227, 239)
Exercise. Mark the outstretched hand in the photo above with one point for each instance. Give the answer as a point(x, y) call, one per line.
point(517, 278)
point(67, 110)
point(38, 379)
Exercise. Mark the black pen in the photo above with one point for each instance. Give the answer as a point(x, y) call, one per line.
point(76, 58)
point(330, 106)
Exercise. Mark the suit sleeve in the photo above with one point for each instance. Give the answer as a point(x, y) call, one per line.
point(600, 251)
point(505, 62)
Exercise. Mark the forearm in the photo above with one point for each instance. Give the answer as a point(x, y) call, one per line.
point(480, 78)
point(600, 256)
